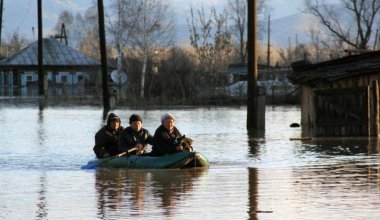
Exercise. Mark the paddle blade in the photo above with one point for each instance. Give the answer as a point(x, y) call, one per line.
point(90, 165)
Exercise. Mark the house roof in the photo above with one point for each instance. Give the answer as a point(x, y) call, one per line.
point(55, 55)
point(237, 69)
point(362, 64)
point(242, 69)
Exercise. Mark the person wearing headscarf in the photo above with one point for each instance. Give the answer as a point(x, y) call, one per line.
point(166, 137)
point(135, 136)
point(107, 138)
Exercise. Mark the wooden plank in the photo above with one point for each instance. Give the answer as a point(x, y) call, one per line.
point(375, 113)
point(368, 97)
point(337, 112)
point(377, 109)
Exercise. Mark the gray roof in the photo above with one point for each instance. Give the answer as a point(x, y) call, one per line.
point(333, 70)
point(236, 69)
point(55, 54)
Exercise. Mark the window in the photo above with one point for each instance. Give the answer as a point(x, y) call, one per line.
point(64, 79)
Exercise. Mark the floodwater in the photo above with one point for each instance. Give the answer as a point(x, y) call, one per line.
point(252, 176)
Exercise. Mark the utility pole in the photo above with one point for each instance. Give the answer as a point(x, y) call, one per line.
point(41, 78)
point(268, 50)
point(1, 21)
point(103, 56)
point(252, 105)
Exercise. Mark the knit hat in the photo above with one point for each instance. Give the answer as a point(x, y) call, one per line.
point(135, 117)
point(113, 116)
point(167, 116)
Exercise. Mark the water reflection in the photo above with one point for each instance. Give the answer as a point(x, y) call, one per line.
point(303, 179)
point(342, 146)
point(171, 186)
point(41, 127)
point(109, 186)
point(124, 189)
point(255, 139)
point(336, 186)
point(51, 91)
point(42, 211)
point(105, 114)
point(253, 193)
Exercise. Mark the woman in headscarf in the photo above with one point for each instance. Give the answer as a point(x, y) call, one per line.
point(166, 138)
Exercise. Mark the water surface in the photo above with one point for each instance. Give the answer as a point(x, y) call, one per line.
point(261, 175)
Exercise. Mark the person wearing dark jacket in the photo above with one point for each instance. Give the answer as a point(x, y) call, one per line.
point(166, 138)
point(107, 138)
point(135, 136)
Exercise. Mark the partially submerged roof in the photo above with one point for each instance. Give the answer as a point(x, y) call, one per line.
point(242, 69)
point(355, 65)
point(55, 55)
point(237, 69)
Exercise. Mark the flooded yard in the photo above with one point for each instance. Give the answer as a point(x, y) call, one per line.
point(251, 176)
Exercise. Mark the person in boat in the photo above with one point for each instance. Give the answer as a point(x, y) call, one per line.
point(168, 139)
point(107, 138)
point(135, 136)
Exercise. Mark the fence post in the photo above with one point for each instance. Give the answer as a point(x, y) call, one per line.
point(376, 116)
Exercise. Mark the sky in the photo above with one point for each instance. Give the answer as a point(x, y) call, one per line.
point(22, 14)
point(282, 8)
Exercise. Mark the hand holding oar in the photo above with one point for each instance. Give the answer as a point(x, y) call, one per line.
point(97, 163)
point(126, 152)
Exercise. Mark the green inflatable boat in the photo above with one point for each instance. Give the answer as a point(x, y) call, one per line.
point(173, 161)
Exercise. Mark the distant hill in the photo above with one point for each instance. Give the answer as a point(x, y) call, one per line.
point(288, 27)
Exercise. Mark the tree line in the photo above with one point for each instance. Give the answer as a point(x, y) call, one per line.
point(140, 41)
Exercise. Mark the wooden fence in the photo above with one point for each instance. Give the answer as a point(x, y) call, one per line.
point(347, 111)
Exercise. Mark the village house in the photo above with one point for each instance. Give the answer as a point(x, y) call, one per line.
point(340, 97)
point(273, 80)
point(63, 66)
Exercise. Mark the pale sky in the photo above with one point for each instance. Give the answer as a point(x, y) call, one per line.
point(282, 8)
point(22, 14)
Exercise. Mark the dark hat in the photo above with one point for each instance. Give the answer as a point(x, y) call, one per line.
point(135, 117)
point(113, 116)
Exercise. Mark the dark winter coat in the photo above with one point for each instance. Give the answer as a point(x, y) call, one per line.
point(129, 138)
point(107, 140)
point(164, 142)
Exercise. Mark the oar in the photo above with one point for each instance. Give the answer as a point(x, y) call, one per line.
point(97, 163)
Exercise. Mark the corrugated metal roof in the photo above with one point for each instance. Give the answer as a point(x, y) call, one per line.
point(55, 53)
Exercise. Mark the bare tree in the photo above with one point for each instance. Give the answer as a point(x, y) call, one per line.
point(88, 41)
point(120, 24)
point(211, 39)
point(238, 16)
point(324, 47)
point(351, 24)
point(289, 55)
point(154, 28)
point(176, 82)
point(15, 43)
point(237, 10)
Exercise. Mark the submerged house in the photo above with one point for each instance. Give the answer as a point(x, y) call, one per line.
point(63, 66)
point(339, 97)
point(273, 80)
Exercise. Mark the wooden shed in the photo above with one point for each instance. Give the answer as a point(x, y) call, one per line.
point(339, 98)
